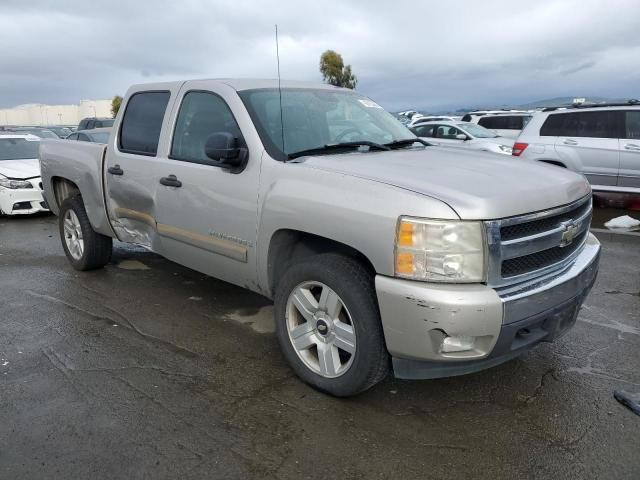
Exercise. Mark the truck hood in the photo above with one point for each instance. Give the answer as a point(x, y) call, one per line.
point(495, 141)
point(20, 169)
point(477, 185)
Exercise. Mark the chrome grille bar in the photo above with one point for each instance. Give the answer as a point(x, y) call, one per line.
point(558, 228)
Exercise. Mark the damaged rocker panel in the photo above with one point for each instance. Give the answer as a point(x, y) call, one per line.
point(226, 246)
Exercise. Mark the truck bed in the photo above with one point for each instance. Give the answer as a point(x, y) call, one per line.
point(82, 164)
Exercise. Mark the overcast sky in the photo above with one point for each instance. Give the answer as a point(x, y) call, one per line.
point(430, 55)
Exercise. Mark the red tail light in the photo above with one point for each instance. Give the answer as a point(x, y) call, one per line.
point(518, 148)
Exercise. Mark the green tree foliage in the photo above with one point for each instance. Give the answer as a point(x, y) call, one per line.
point(115, 105)
point(335, 72)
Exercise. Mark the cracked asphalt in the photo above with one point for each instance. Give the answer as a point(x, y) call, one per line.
point(149, 370)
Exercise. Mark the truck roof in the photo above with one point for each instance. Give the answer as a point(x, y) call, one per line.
point(240, 84)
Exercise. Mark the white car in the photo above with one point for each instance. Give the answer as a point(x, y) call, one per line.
point(600, 141)
point(418, 120)
point(463, 135)
point(506, 123)
point(20, 185)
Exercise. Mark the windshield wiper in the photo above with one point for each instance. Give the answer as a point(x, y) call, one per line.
point(331, 147)
point(406, 142)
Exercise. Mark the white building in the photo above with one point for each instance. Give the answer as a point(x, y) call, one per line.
point(38, 114)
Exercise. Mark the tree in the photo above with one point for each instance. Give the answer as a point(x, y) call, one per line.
point(115, 105)
point(335, 72)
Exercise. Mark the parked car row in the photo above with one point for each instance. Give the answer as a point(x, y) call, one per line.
point(602, 142)
point(20, 185)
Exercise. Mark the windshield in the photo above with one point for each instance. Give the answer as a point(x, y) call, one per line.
point(477, 131)
point(18, 148)
point(314, 118)
point(99, 137)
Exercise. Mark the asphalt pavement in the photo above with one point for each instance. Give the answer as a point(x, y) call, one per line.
point(146, 369)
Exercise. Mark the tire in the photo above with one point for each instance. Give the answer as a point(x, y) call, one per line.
point(96, 248)
point(356, 326)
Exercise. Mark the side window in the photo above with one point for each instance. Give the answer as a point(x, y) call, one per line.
point(424, 130)
point(632, 124)
point(90, 125)
point(200, 115)
point(599, 124)
point(73, 136)
point(445, 131)
point(142, 122)
point(83, 137)
point(502, 122)
point(553, 126)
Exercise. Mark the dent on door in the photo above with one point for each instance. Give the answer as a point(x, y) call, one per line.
point(133, 208)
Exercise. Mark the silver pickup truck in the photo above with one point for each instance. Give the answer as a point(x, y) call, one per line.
point(379, 251)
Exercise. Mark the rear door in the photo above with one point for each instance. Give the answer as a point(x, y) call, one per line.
point(590, 141)
point(207, 217)
point(131, 173)
point(630, 151)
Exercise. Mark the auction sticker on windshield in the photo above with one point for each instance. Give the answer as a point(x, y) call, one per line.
point(369, 103)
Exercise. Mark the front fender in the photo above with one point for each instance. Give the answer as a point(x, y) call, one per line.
point(360, 213)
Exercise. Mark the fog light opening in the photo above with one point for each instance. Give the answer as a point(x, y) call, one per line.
point(457, 344)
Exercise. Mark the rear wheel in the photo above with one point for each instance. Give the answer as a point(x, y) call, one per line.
point(85, 248)
point(328, 325)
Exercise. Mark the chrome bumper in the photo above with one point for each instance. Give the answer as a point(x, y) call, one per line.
point(504, 323)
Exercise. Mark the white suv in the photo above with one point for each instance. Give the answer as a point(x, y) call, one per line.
point(506, 123)
point(601, 142)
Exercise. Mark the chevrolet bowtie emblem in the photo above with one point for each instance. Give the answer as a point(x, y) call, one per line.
point(569, 233)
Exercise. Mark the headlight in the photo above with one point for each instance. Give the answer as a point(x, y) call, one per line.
point(440, 250)
point(505, 149)
point(14, 184)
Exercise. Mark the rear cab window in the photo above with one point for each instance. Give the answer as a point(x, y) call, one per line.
point(142, 123)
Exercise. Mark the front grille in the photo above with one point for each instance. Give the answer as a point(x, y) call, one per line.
point(524, 248)
point(509, 232)
point(538, 260)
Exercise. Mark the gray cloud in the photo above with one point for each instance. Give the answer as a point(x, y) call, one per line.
point(404, 53)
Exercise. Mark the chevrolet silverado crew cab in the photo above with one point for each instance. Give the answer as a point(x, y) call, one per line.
point(380, 252)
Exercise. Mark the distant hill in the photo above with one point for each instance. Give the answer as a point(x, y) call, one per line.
point(549, 102)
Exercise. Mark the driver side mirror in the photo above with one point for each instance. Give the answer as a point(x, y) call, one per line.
point(225, 150)
point(461, 136)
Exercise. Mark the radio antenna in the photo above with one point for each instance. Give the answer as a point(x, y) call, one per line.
point(280, 90)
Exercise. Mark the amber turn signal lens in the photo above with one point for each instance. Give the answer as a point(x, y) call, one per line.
point(404, 263)
point(405, 235)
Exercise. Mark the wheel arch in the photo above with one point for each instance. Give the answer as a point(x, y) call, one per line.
point(63, 188)
point(554, 162)
point(288, 246)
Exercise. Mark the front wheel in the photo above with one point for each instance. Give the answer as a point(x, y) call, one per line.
point(85, 248)
point(328, 325)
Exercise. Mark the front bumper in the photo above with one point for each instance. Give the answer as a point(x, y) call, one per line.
point(504, 323)
point(23, 201)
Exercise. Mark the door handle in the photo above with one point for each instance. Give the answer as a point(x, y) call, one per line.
point(115, 170)
point(171, 181)
point(568, 141)
point(632, 146)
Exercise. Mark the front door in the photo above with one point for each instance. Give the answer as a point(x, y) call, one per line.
point(207, 217)
point(630, 151)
